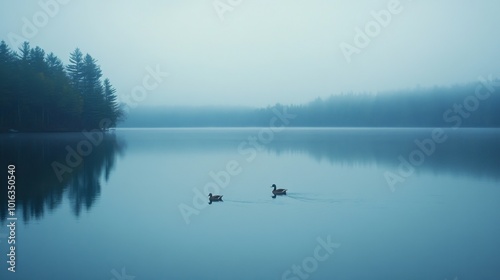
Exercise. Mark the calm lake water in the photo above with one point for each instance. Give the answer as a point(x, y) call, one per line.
point(361, 204)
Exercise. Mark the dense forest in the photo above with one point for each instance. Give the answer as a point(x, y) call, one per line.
point(38, 93)
point(460, 105)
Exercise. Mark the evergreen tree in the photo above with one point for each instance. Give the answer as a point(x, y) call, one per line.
point(6, 54)
point(75, 69)
point(112, 109)
point(22, 101)
point(24, 52)
point(63, 97)
point(92, 90)
point(37, 60)
point(8, 79)
point(54, 63)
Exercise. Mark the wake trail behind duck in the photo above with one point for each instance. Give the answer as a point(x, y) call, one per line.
point(308, 197)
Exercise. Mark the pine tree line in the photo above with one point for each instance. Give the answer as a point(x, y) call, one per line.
point(39, 93)
point(453, 106)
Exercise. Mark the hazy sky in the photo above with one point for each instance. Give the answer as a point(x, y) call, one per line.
point(265, 51)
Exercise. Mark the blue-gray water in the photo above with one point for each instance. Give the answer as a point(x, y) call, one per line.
point(118, 213)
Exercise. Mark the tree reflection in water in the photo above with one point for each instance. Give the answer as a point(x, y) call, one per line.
point(38, 188)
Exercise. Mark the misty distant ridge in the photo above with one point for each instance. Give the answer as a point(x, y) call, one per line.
point(469, 105)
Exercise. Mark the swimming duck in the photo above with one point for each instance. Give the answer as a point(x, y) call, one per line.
point(214, 197)
point(278, 191)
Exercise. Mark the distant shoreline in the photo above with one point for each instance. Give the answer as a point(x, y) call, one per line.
point(245, 127)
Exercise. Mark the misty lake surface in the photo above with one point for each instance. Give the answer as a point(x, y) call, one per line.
point(136, 205)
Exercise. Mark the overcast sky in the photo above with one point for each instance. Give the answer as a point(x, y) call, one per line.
point(266, 51)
